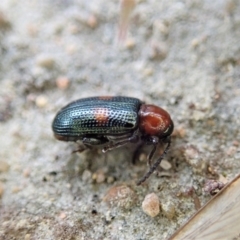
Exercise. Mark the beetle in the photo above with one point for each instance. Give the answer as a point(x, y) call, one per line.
point(113, 121)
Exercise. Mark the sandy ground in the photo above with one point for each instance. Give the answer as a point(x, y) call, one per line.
point(181, 55)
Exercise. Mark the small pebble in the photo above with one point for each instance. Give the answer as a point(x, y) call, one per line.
point(92, 21)
point(4, 166)
point(110, 179)
point(151, 205)
point(27, 237)
point(180, 132)
point(62, 215)
point(71, 49)
point(74, 29)
point(236, 143)
point(41, 101)
point(142, 157)
point(161, 27)
point(230, 6)
point(165, 164)
point(26, 172)
point(231, 151)
point(62, 82)
point(45, 61)
point(158, 51)
point(168, 209)
point(195, 42)
point(22, 224)
point(68, 185)
point(198, 41)
point(194, 158)
point(191, 152)
point(16, 189)
point(130, 43)
point(99, 176)
point(147, 72)
point(86, 176)
point(212, 186)
point(120, 196)
point(4, 22)
point(108, 216)
point(212, 170)
point(223, 179)
point(198, 115)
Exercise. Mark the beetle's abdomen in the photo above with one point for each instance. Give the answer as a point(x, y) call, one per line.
point(97, 116)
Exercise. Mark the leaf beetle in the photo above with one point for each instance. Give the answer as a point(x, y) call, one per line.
point(113, 122)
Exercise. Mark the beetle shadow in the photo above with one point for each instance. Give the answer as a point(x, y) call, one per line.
point(117, 163)
point(125, 163)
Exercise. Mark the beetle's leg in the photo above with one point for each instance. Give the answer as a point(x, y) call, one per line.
point(150, 156)
point(137, 151)
point(93, 141)
point(146, 140)
point(120, 138)
point(87, 142)
point(155, 165)
point(152, 140)
point(134, 138)
point(81, 148)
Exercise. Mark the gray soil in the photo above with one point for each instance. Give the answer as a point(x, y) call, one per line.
point(181, 55)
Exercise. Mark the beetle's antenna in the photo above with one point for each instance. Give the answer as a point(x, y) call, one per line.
point(155, 165)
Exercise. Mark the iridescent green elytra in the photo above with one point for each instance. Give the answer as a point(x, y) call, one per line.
point(97, 116)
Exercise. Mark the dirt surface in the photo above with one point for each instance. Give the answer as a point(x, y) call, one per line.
point(181, 55)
